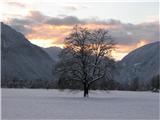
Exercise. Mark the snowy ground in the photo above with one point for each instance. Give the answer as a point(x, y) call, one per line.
point(55, 104)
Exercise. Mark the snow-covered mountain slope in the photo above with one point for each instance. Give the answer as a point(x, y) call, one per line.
point(53, 52)
point(21, 59)
point(142, 63)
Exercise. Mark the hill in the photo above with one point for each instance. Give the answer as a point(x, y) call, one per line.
point(21, 59)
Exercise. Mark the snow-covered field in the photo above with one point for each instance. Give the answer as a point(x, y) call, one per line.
point(54, 104)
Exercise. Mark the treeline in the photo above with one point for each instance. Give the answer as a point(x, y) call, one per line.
point(138, 85)
point(58, 84)
point(17, 83)
point(134, 85)
point(63, 83)
point(98, 85)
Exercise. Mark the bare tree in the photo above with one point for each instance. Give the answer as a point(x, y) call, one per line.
point(86, 56)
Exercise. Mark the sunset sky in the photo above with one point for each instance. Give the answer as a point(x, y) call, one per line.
point(131, 23)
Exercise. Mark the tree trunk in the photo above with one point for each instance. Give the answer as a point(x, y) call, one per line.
point(86, 89)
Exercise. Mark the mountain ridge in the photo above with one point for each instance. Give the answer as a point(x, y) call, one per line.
point(142, 63)
point(21, 59)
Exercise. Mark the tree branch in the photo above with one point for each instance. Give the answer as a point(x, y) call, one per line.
point(96, 79)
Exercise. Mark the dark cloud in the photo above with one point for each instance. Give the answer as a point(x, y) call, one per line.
point(23, 22)
point(22, 29)
point(37, 16)
point(72, 20)
point(68, 20)
point(24, 25)
point(103, 22)
point(131, 34)
point(122, 33)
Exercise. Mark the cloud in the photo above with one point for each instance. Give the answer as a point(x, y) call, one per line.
point(73, 7)
point(67, 20)
point(22, 22)
point(130, 34)
point(49, 33)
point(123, 49)
point(25, 25)
point(53, 30)
point(70, 8)
point(37, 16)
point(122, 33)
point(23, 29)
point(16, 4)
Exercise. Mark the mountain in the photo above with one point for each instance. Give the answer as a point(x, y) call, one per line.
point(142, 63)
point(53, 52)
point(21, 59)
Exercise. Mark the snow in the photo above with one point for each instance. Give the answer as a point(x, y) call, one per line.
point(56, 104)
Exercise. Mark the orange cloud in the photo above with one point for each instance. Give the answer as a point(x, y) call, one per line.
point(122, 50)
point(58, 33)
point(105, 26)
point(52, 35)
point(49, 32)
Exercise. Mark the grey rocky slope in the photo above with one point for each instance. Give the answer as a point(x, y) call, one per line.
point(53, 52)
point(142, 63)
point(21, 59)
